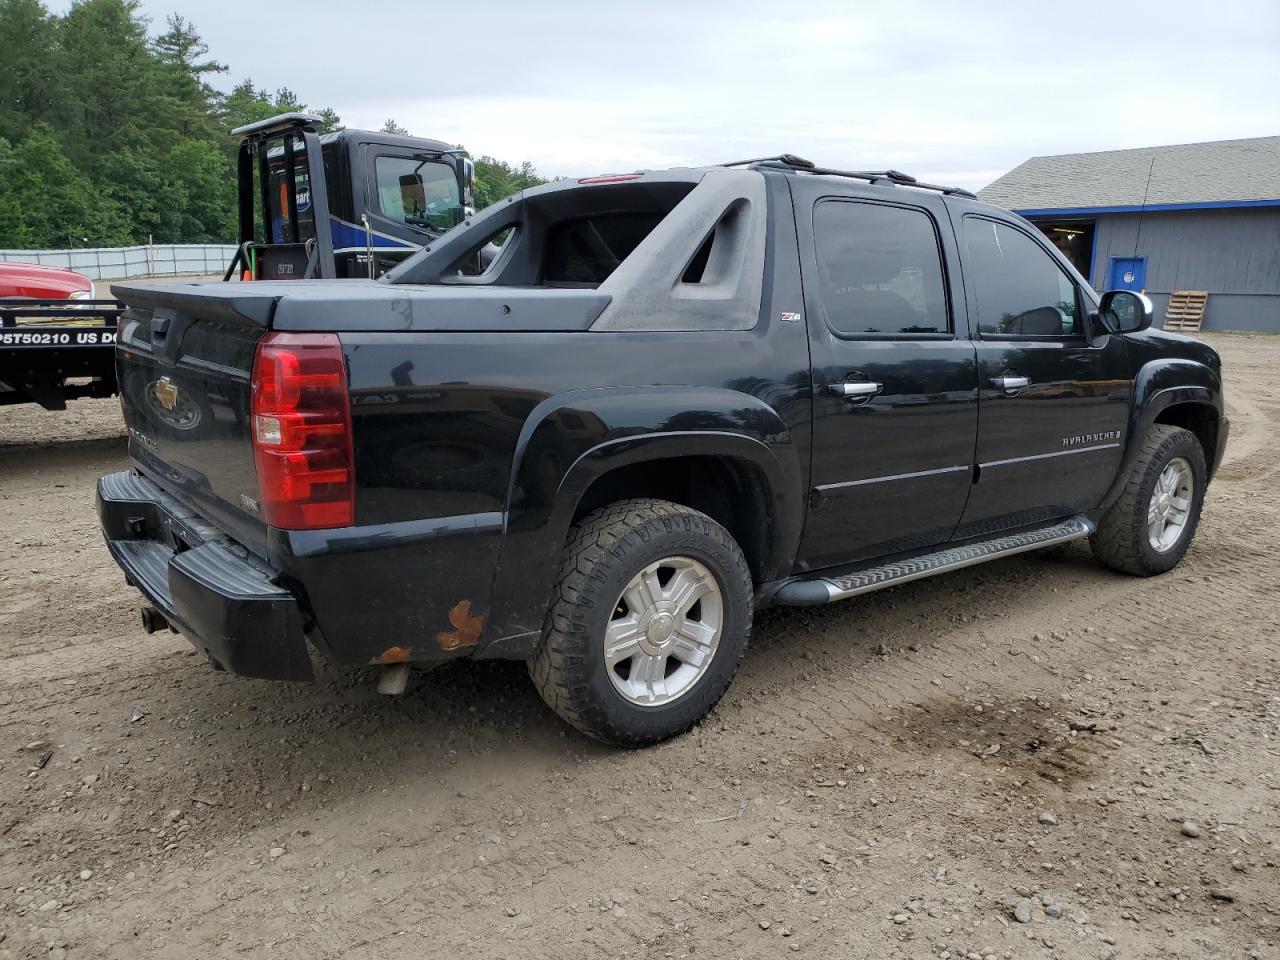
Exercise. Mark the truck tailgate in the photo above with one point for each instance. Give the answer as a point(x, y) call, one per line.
point(184, 360)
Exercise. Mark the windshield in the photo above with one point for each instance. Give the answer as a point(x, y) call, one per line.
point(418, 193)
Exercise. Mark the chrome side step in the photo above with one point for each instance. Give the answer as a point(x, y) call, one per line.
point(820, 590)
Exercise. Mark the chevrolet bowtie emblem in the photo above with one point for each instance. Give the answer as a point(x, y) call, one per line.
point(165, 392)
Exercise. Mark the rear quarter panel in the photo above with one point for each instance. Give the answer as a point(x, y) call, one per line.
point(474, 440)
point(515, 425)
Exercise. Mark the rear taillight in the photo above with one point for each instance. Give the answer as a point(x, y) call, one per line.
point(302, 432)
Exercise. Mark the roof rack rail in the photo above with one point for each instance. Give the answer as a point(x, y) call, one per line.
point(789, 161)
point(786, 159)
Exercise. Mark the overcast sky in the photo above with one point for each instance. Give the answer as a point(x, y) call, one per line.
point(958, 92)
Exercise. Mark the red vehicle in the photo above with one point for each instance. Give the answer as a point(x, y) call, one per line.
point(38, 282)
point(57, 342)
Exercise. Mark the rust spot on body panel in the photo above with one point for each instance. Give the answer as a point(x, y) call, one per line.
point(466, 628)
point(393, 655)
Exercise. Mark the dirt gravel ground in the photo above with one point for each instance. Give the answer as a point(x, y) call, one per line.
point(910, 775)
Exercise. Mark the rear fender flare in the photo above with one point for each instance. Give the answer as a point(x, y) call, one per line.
point(649, 447)
point(571, 440)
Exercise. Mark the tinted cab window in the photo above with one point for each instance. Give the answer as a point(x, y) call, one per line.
point(417, 193)
point(1018, 288)
point(880, 269)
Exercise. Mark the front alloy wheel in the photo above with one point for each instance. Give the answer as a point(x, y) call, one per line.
point(1170, 505)
point(1149, 527)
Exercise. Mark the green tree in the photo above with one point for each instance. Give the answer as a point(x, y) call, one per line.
point(182, 48)
point(55, 204)
point(330, 122)
point(247, 104)
point(394, 128)
point(111, 135)
point(183, 61)
point(496, 179)
point(132, 179)
point(14, 230)
point(116, 98)
point(207, 209)
point(28, 88)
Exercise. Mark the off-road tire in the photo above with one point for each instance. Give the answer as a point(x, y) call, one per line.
point(604, 551)
point(1121, 540)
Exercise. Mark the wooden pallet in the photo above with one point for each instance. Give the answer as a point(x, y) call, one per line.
point(1185, 311)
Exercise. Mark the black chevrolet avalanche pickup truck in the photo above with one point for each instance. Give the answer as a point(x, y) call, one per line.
point(672, 399)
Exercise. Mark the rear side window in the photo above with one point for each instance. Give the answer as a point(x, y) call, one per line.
point(880, 267)
point(1019, 289)
point(587, 250)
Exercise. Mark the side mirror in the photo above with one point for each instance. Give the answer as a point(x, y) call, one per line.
point(1124, 311)
point(468, 183)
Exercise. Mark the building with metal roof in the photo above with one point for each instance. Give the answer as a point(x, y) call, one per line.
point(1187, 217)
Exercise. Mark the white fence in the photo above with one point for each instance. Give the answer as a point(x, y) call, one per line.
point(115, 263)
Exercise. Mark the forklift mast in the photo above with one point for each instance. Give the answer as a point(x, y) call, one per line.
point(348, 204)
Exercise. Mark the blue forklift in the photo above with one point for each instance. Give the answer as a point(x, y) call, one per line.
point(348, 204)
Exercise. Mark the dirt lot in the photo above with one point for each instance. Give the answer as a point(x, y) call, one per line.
point(892, 777)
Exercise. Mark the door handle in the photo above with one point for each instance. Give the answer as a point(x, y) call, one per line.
point(1009, 384)
point(855, 390)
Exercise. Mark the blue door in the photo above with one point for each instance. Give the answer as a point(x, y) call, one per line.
point(1126, 273)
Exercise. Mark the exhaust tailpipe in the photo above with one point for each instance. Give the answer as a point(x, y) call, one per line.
point(153, 621)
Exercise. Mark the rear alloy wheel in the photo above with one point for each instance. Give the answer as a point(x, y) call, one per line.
point(664, 633)
point(1149, 527)
point(650, 622)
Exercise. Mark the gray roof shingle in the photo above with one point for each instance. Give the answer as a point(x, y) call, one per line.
point(1224, 170)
